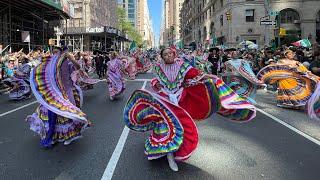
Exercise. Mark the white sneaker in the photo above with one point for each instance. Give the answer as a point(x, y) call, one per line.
point(172, 163)
point(111, 98)
point(67, 142)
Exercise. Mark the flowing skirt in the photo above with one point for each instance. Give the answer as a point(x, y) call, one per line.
point(59, 117)
point(83, 80)
point(314, 104)
point(173, 126)
point(115, 82)
point(22, 91)
point(294, 87)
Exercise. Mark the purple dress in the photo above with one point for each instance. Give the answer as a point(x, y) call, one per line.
point(59, 117)
point(114, 77)
point(21, 78)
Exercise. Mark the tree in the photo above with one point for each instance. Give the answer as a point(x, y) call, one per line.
point(126, 27)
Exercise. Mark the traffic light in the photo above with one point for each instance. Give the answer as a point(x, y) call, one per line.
point(229, 16)
point(282, 32)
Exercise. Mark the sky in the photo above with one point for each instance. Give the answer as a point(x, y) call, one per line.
point(155, 9)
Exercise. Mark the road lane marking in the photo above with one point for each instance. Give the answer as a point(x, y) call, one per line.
point(133, 80)
point(112, 164)
point(144, 85)
point(108, 173)
point(14, 110)
point(290, 127)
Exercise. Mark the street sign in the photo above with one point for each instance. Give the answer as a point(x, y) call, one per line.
point(274, 13)
point(268, 22)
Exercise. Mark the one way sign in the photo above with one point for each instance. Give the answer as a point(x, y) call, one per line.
point(268, 22)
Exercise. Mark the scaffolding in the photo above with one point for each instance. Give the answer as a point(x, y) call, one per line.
point(37, 17)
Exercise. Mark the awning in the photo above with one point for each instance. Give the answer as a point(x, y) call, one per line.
point(50, 9)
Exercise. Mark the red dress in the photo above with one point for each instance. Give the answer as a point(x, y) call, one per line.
point(171, 111)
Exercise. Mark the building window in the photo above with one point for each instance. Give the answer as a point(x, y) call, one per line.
point(221, 20)
point(221, 3)
point(249, 15)
point(289, 16)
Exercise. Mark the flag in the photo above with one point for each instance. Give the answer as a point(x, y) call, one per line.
point(179, 45)
point(133, 46)
point(303, 42)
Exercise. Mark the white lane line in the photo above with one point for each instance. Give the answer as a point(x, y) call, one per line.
point(144, 85)
point(14, 110)
point(112, 164)
point(134, 80)
point(108, 172)
point(139, 80)
point(290, 127)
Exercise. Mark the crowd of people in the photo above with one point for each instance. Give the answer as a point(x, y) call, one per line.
point(188, 86)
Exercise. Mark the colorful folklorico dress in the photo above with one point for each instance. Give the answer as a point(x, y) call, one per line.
point(81, 78)
point(190, 59)
point(314, 104)
point(171, 112)
point(295, 84)
point(203, 64)
point(115, 80)
point(129, 67)
point(241, 79)
point(59, 117)
point(20, 83)
point(143, 64)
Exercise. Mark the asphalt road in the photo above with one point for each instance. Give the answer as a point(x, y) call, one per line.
point(260, 149)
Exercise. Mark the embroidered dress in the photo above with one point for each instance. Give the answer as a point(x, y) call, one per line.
point(59, 117)
point(203, 64)
point(130, 68)
point(20, 83)
point(314, 104)
point(82, 79)
point(170, 113)
point(295, 85)
point(114, 78)
point(143, 64)
point(241, 79)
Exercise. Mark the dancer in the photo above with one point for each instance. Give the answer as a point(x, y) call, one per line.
point(80, 77)
point(19, 82)
point(240, 77)
point(202, 62)
point(130, 67)
point(114, 76)
point(295, 83)
point(182, 94)
point(59, 117)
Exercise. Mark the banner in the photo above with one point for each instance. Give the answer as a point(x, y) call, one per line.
point(25, 36)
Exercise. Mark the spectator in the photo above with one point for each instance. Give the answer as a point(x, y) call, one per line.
point(315, 64)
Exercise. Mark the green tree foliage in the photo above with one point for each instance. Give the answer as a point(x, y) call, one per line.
point(125, 26)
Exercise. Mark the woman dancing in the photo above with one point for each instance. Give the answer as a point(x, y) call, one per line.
point(182, 94)
point(240, 77)
point(59, 117)
point(114, 76)
point(19, 82)
point(295, 83)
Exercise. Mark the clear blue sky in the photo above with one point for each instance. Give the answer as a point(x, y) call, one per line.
point(155, 12)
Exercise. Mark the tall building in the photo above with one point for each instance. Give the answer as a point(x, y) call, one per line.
point(92, 26)
point(300, 18)
point(144, 24)
point(171, 24)
point(229, 22)
point(130, 7)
